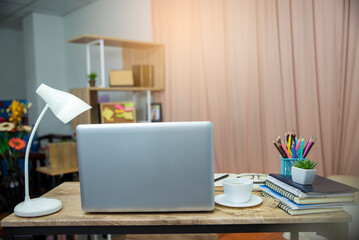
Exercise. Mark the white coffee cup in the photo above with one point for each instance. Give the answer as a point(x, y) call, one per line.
point(237, 190)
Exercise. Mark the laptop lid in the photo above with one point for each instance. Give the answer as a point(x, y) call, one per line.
point(146, 167)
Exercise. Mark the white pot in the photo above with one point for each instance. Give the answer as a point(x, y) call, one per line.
point(303, 176)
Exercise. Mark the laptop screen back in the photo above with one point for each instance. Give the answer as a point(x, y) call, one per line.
point(146, 167)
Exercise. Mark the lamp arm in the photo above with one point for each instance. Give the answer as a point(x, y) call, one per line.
point(26, 170)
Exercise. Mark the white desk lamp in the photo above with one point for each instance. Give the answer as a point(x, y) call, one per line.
point(65, 106)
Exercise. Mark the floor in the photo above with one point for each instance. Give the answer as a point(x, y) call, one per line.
point(251, 236)
point(221, 236)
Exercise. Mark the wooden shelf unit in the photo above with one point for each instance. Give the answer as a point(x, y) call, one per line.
point(90, 96)
point(133, 53)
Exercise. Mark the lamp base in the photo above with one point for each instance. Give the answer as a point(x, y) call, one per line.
point(37, 207)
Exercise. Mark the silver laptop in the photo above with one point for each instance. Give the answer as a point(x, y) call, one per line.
point(146, 167)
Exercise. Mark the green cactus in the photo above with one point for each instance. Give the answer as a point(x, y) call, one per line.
point(304, 163)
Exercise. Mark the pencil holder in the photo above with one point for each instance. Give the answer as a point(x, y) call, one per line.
point(286, 165)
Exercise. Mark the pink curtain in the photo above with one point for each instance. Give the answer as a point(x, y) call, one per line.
point(257, 68)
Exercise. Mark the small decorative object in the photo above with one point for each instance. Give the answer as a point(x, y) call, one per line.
point(118, 112)
point(92, 79)
point(121, 78)
point(156, 112)
point(303, 171)
point(65, 107)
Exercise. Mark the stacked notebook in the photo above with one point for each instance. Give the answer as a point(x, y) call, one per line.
point(324, 195)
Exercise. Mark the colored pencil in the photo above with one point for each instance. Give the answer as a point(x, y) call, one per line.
point(292, 146)
point(285, 149)
point(282, 150)
point(307, 146)
point(298, 144)
point(294, 139)
point(289, 144)
point(310, 147)
point(294, 135)
point(294, 153)
point(301, 148)
point(279, 144)
point(279, 150)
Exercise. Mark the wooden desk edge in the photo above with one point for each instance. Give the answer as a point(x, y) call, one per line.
point(55, 172)
point(68, 193)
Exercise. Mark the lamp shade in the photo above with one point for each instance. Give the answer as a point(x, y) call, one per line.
point(64, 105)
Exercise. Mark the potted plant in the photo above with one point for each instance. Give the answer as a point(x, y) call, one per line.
point(92, 79)
point(303, 171)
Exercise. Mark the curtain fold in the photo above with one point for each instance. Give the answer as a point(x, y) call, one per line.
point(257, 68)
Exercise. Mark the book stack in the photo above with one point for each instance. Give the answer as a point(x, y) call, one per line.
point(143, 75)
point(324, 195)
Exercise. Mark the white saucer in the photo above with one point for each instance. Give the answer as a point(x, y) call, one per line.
point(253, 201)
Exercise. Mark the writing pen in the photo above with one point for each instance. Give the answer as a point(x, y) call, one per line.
point(221, 177)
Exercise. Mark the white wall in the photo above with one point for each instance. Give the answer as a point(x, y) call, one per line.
point(50, 59)
point(128, 19)
point(45, 63)
point(12, 80)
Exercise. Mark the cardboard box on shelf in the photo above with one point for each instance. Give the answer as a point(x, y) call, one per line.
point(121, 78)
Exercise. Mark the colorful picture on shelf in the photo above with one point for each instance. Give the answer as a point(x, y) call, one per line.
point(118, 112)
point(156, 112)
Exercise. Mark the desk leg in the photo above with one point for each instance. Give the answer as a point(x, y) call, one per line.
point(294, 235)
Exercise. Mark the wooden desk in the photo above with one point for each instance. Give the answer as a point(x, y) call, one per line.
point(72, 220)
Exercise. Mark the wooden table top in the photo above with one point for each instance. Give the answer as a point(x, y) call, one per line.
point(72, 215)
point(55, 172)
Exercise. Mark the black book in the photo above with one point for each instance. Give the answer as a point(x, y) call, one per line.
point(321, 185)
